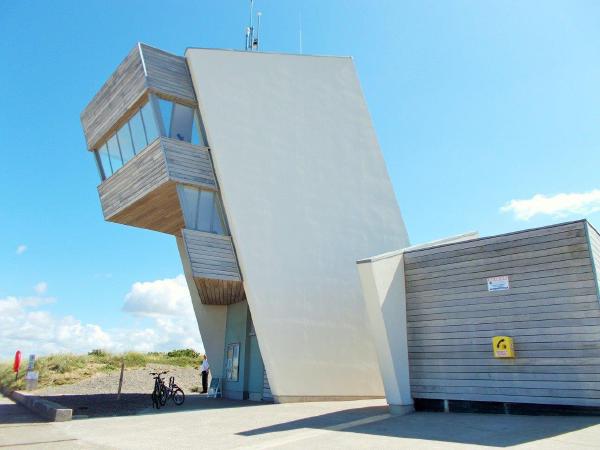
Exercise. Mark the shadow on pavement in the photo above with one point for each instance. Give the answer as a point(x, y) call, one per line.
point(13, 413)
point(474, 429)
point(107, 405)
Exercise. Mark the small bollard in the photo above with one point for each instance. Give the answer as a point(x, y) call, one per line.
point(121, 379)
point(31, 380)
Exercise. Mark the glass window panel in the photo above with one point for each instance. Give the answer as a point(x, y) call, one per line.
point(205, 211)
point(198, 136)
point(99, 166)
point(105, 161)
point(115, 155)
point(189, 204)
point(182, 122)
point(218, 225)
point(137, 132)
point(149, 122)
point(166, 109)
point(125, 143)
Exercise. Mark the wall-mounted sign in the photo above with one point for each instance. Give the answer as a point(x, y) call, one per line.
point(498, 283)
point(232, 362)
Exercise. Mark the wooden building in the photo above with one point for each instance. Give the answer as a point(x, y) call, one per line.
point(539, 287)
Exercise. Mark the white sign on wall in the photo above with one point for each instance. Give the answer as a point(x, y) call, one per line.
point(498, 283)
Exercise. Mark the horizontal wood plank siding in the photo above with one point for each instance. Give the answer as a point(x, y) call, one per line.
point(188, 163)
point(220, 292)
point(119, 94)
point(211, 255)
point(164, 160)
point(214, 267)
point(144, 69)
point(551, 310)
point(168, 74)
point(136, 179)
point(594, 238)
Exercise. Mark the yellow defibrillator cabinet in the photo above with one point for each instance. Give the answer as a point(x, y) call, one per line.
point(503, 347)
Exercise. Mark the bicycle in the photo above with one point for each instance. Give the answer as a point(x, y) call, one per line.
point(174, 392)
point(162, 392)
point(158, 390)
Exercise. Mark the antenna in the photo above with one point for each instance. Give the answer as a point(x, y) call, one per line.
point(252, 40)
point(300, 23)
point(256, 41)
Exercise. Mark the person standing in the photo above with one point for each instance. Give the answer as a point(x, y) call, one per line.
point(204, 368)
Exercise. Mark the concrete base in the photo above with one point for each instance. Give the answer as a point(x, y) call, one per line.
point(44, 408)
point(255, 397)
point(233, 395)
point(320, 398)
point(400, 410)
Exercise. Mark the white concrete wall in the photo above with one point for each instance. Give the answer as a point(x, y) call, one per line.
point(211, 319)
point(307, 193)
point(384, 294)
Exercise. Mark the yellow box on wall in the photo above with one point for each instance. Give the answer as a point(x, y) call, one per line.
point(503, 347)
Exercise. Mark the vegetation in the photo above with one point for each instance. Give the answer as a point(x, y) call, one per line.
point(68, 368)
point(186, 353)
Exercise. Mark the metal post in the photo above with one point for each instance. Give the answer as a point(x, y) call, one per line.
point(121, 379)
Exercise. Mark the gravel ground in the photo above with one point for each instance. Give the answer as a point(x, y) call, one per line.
point(96, 396)
point(135, 381)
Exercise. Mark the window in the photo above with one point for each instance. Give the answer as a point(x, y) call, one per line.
point(125, 143)
point(129, 140)
point(166, 108)
point(105, 161)
point(138, 135)
point(178, 122)
point(181, 122)
point(114, 153)
point(149, 123)
point(202, 210)
point(198, 133)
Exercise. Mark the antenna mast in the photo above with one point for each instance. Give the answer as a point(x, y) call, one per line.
point(252, 38)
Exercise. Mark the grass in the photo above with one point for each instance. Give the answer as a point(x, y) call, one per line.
point(68, 368)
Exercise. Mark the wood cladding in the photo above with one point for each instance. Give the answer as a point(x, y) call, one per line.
point(120, 93)
point(145, 69)
point(168, 75)
point(594, 238)
point(143, 193)
point(211, 255)
point(551, 310)
point(132, 182)
point(214, 267)
point(157, 211)
point(188, 163)
point(220, 292)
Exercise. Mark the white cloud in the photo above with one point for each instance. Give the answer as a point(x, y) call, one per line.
point(168, 297)
point(21, 249)
point(168, 304)
point(41, 287)
point(558, 206)
point(161, 314)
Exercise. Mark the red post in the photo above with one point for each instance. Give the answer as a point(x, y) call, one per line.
point(17, 363)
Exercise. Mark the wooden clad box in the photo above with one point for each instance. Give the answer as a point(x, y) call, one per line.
point(551, 309)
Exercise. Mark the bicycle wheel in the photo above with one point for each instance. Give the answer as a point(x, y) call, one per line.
point(164, 395)
point(155, 399)
point(178, 397)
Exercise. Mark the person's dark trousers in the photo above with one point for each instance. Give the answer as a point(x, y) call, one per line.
point(204, 381)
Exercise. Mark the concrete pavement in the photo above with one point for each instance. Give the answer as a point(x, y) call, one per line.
point(356, 424)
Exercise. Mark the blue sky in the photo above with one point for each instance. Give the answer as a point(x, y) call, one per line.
point(476, 104)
